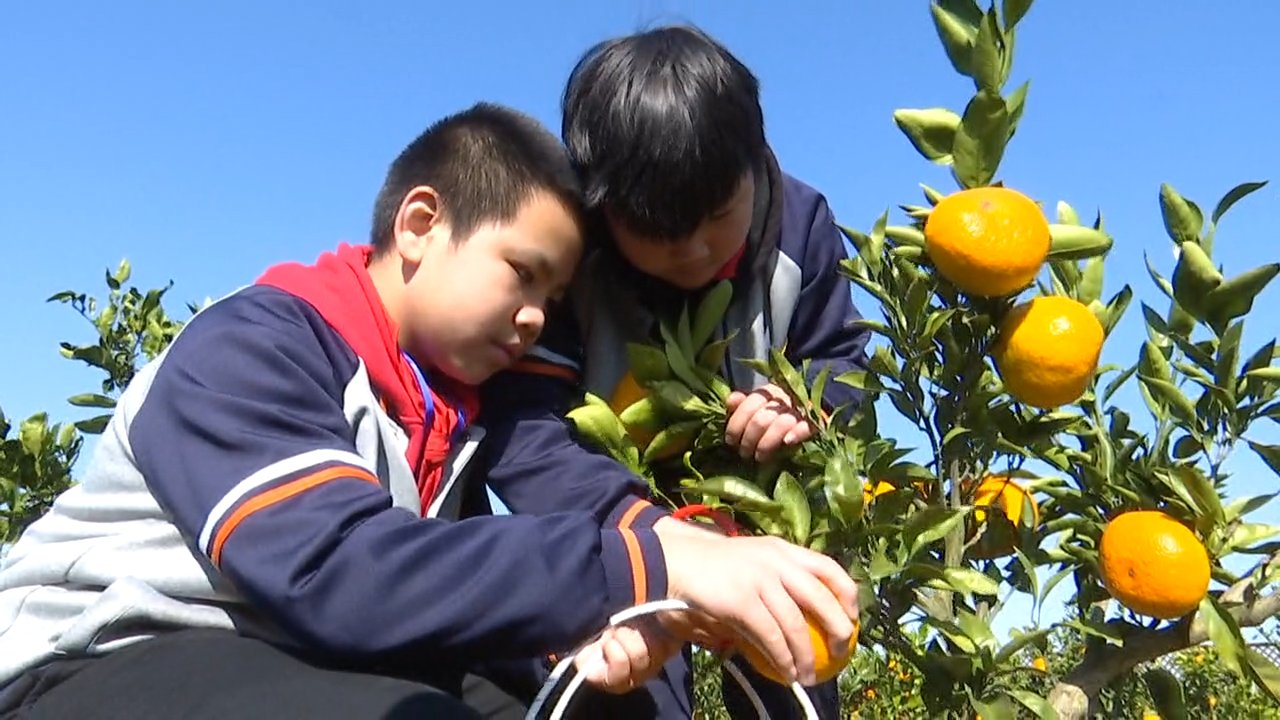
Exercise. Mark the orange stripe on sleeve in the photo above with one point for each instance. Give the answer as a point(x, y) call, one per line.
point(284, 492)
point(634, 553)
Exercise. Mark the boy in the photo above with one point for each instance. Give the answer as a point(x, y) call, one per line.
point(666, 131)
point(262, 531)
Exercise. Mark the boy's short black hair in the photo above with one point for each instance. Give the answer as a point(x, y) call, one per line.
point(661, 126)
point(485, 162)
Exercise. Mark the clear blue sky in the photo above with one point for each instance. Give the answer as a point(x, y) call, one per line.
point(205, 141)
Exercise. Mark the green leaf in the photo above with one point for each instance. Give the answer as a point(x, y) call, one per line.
point(1161, 282)
point(1166, 692)
point(1014, 11)
point(1117, 382)
point(710, 313)
point(1270, 454)
point(94, 425)
point(1180, 221)
point(1234, 298)
point(1035, 703)
point(795, 506)
point(1233, 196)
point(980, 140)
point(1243, 506)
point(737, 491)
point(1016, 101)
point(1264, 672)
point(792, 380)
point(1090, 287)
point(956, 35)
point(1223, 633)
point(1271, 374)
point(931, 131)
point(1194, 278)
point(1224, 373)
point(92, 400)
point(842, 489)
point(1066, 214)
point(32, 433)
point(930, 525)
point(998, 709)
point(1022, 640)
point(986, 58)
point(1076, 242)
point(647, 363)
point(962, 580)
point(905, 235)
point(1247, 535)
point(1170, 397)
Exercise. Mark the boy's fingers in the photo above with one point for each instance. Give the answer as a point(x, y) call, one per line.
point(735, 399)
point(799, 651)
point(741, 417)
point(772, 439)
point(826, 609)
point(798, 434)
point(765, 418)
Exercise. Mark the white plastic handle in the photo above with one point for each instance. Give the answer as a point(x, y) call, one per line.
point(566, 697)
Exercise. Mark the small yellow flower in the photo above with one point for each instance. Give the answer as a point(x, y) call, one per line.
point(892, 663)
point(1199, 658)
point(870, 693)
point(1150, 715)
point(1040, 664)
point(1213, 701)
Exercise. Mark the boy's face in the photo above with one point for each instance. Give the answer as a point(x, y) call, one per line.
point(692, 262)
point(471, 308)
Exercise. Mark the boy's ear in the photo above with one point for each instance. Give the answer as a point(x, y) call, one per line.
point(419, 221)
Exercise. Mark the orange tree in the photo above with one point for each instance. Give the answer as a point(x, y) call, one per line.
point(992, 319)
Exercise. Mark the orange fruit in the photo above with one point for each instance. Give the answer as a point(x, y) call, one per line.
point(1047, 350)
point(1003, 494)
point(988, 241)
point(881, 488)
point(626, 393)
point(826, 664)
point(1153, 564)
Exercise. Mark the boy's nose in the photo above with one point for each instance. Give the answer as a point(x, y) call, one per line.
point(688, 251)
point(529, 322)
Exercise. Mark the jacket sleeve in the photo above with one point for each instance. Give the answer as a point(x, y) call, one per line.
point(242, 437)
point(822, 328)
point(535, 462)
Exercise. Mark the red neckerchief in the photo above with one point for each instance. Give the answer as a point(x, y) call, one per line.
point(730, 269)
point(338, 286)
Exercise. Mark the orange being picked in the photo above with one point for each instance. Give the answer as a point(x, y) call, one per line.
point(1047, 350)
point(989, 241)
point(1153, 564)
point(1005, 495)
point(826, 665)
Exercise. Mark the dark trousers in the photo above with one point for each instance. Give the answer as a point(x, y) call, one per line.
point(218, 675)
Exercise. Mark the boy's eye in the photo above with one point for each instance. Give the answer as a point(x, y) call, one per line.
point(522, 272)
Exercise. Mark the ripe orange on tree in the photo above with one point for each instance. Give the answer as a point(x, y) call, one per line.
point(988, 241)
point(1153, 564)
point(1047, 350)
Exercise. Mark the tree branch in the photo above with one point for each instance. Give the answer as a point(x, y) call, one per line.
point(1073, 694)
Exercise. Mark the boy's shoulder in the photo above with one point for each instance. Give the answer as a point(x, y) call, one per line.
point(805, 224)
point(264, 317)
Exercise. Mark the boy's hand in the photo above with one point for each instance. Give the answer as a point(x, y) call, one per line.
point(626, 656)
point(761, 587)
point(763, 421)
